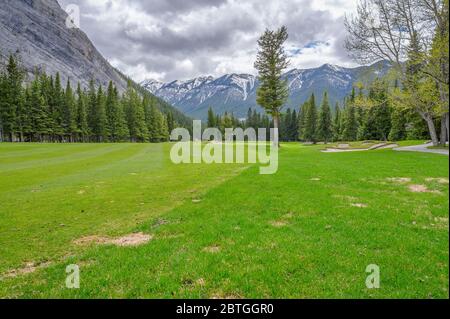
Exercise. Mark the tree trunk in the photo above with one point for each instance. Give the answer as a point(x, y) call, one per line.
point(428, 118)
point(443, 129)
point(276, 125)
point(447, 126)
point(432, 130)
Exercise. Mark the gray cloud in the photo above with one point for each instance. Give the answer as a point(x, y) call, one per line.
point(179, 39)
point(175, 6)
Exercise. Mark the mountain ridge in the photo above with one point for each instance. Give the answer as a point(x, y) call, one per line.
point(236, 93)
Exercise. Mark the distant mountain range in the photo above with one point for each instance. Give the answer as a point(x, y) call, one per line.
point(236, 93)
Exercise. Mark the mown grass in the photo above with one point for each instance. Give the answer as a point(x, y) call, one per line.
point(309, 231)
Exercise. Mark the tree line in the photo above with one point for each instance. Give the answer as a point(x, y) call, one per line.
point(45, 111)
point(368, 113)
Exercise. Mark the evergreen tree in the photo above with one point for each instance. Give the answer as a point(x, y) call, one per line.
point(122, 130)
point(349, 124)
point(114, 116)
point(26, 116)
point(22, 117)
point(154, 123)
point(56, 103)
point(249, 120)
point(398, 122)
point(97, 114)
point(293, 127)
point(271, 62)
point(138, 124)
point(416, 127)
point(92, 111)
point(170, 122)
point(226, 122)
point(301, 121)
point(101, 129)
point(378, 120)
point(10, 97)
point(81, 116)
point(310, 127)
point(41, 121)
point(337, 123)
point(284, 125)
point(324, 126)
point(211, 118)
point(164, 129)
point(69, 113)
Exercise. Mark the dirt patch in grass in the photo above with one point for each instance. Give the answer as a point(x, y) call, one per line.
point(212, 249)
point(315, 179)
point(359, 205)
point(278, 223)
point(160, 222)
point(130, 240)
point(29, 268)
point(289, 215)
point(346, 197)
point(228, 296)
point(200, 282)
point(422, 189)
point(439, 180)
point(400, 180)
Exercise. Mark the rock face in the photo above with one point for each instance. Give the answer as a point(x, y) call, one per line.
point(237, 92)
point(37, 31)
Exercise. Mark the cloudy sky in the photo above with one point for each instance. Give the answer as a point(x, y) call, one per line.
point(180, 39)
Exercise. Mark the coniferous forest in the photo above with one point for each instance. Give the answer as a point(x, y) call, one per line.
point(46, 110)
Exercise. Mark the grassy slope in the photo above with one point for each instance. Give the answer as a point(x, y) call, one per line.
point(320, 248)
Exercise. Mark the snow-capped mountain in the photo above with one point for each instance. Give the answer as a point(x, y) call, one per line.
point(236, 93)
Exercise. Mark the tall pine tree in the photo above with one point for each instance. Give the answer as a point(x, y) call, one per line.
point(324, 126)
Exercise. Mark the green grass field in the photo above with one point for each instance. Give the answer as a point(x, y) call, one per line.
point(222, 231)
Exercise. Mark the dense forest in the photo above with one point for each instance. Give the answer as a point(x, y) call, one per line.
point(45, 111)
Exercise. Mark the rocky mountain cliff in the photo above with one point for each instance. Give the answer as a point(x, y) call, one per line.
point(237, 92)
point(37, 31)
